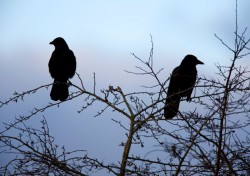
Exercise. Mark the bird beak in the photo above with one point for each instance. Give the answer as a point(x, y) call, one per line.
point(199, 62)
point(51, 43)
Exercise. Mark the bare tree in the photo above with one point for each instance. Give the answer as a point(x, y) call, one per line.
point(210, 140)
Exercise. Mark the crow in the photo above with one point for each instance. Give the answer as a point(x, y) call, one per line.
point(181, 84)
point(62, 66)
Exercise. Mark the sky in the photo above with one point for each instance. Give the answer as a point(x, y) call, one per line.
point(102, 35)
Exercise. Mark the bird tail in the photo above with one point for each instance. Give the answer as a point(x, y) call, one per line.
point(59, 91)
point(171, 106)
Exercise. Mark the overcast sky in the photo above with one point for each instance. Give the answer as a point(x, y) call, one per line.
point(106, 32)
point(103, 34)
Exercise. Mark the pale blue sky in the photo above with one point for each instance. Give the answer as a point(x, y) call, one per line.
point(102, 35)
point(106, 32)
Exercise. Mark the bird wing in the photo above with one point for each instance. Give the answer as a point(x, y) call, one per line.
point(190, 87)
point(174, 84)
point(182, 82)
point(189, 82)
point(71, 63)
point(62, 65)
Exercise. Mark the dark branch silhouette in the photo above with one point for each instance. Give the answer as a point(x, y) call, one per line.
point(181, 84)
point(213, 139)
point(62, 66)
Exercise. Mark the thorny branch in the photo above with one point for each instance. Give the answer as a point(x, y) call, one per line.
point(210, 139)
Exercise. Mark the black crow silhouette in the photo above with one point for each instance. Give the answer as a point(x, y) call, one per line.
point(181, 84)
point(62, 66)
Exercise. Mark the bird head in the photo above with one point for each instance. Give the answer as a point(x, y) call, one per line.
point(59, 42)
point(190, 60)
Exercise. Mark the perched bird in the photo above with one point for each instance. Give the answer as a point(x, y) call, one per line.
point(181, 84)
point(62, 66)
